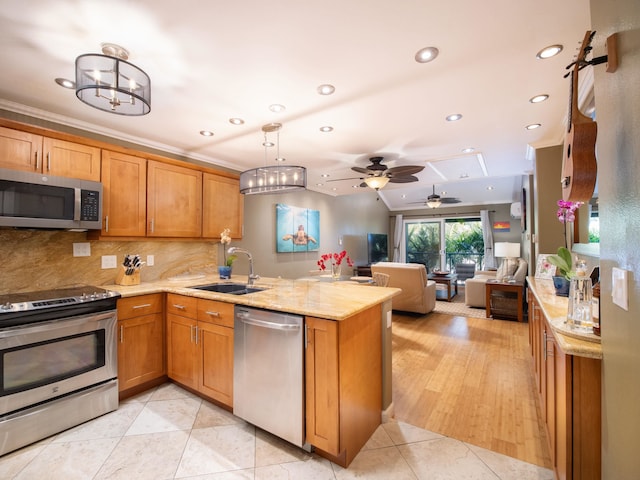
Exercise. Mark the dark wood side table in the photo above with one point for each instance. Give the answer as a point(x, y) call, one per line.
point(451, 281)
point(505, 299)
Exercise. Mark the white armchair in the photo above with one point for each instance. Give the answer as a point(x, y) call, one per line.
point(474, 288)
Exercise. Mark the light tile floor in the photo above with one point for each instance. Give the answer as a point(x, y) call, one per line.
point(169, 433)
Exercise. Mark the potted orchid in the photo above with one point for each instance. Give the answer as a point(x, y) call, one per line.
point(334, 260)
point(225, 270)
point(562, 260)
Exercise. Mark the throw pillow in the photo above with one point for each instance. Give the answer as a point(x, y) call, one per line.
point(507, 268)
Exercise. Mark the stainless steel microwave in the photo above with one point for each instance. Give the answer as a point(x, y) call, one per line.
point(34, 200)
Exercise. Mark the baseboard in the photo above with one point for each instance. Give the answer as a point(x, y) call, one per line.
point(388, 414)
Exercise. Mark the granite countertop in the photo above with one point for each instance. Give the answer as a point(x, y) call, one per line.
point(555, 309)
point(331, 300)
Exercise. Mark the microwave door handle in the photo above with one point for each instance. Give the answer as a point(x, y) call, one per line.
point(77, 204)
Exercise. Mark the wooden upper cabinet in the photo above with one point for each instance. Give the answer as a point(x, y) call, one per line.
point(20, 150)
point(174, 201)
point(69, 159)
point(124, 182)
point(34, 153)
point(222, 206)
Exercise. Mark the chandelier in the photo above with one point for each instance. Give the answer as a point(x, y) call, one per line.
point(277, 178)
point(108, 82)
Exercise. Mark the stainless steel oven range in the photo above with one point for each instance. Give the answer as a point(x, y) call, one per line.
point(58, 361)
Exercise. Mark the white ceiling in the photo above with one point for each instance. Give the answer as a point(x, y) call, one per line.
point(212, 60)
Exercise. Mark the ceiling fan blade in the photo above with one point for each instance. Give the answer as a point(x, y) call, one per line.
point(450, 200)
point(404, 170)
point(361, 170)
point(403, 179)
point(342, 179)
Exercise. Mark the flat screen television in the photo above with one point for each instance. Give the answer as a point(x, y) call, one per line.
point(377, 247)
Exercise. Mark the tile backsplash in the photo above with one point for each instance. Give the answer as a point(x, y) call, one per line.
point(39, 260)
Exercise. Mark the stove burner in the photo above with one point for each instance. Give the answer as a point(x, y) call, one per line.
point(29, 307)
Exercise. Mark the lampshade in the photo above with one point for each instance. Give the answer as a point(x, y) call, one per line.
point(433, 202)
point(507, 250)
point(273, 178)
point(376, 182)
point(108, 82)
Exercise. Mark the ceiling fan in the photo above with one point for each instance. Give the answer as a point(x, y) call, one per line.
point(378, 175)
point(434, 200)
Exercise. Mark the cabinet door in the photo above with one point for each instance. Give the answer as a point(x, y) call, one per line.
point(216, 375)
point(174, 201)
point(322, 385)
point(222, 206)
point(68, 159)
point(183, 362)
point(20, 150)
point(124, 181)
point(140, 350)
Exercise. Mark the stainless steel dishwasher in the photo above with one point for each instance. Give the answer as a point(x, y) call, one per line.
point(268, 376)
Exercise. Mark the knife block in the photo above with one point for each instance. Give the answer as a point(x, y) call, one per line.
point(123, 279)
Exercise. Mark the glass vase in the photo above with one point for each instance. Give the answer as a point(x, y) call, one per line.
point(224, 272)
point(336, 271)
point(579, 314)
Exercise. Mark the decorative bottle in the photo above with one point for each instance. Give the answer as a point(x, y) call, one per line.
point(579, 315)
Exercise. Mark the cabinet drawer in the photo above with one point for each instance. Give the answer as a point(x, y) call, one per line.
point(182, 305)
point(141, 305)
point(220, 313)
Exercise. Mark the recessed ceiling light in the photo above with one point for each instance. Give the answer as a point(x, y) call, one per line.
point(489, 187)
point(454, 117)
point(427, 54)
point(206, 133)
point(468, 150)
point(277, 108)
point(403, 196)
point(539, 98)
point(533, 126)
point(63, 82)
point(319, 184)
point(325, 175)
point(280, 159)
point(268, 144)
point(464, 175)
point(326, 89)
point(326, 128)
point(236, 121)
point(548, 52)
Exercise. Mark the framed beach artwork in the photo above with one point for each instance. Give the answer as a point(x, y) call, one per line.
point(297, 229)
point(544, 268)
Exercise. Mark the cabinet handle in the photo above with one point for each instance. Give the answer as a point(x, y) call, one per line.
point(179, 307)
point(37, 160)
point(544, 344)
point(144, 305)
point(121, 334)
point(196, 328)
point(48, 161)
point(106, 223)
point(213, 314)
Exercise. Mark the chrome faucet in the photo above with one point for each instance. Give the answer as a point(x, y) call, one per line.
point(252, 276)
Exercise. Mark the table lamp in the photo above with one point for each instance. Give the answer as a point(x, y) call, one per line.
point(510, 252)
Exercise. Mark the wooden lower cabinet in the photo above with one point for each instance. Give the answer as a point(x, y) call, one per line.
point(200, 346)
point(343, 384)
point(141, 352)
point(570, 401)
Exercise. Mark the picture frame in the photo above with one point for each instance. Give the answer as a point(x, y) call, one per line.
point(297, 229)
point(544, 268)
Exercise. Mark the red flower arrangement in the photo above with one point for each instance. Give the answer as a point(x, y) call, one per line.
point(334, 259)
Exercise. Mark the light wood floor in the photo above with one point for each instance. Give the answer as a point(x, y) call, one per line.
point(469, 379)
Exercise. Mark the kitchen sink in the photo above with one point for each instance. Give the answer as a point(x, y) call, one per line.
point(232, 288)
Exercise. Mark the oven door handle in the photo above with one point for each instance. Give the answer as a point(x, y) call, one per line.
point(77, 204)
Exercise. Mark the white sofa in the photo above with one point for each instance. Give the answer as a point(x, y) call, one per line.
point(474, 288)
point(418, 294)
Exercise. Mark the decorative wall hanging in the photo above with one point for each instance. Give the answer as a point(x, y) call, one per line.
point(297, 229)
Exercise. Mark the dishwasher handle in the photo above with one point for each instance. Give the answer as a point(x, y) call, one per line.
point(245, 317)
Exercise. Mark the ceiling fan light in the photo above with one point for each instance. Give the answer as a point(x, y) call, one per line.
point(376, 182)
point(433, 202)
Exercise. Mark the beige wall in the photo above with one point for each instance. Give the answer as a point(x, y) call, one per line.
point(548, 231)
point(617, 98)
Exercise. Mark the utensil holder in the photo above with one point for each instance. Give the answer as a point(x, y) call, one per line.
point(123, 279)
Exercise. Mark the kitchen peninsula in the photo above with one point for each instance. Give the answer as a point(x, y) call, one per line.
point(347, 356)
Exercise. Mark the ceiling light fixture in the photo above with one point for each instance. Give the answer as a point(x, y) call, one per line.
point(433, 200)
point(539, 98)
point(326, 128)
point(273, 178)
point(206, 133)
point(454, 117)
point(108, 82)
point(427, 54)
point(376, 182)
point(277, 108)
point(548, 52)
point(468, 150)
point(65, 82)
point(326, 89)
point(533, 126)
point(236, 121)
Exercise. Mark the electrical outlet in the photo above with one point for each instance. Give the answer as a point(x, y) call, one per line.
point(151, 259)
point(82, 249)
point(109, 261)
point(619, 287)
